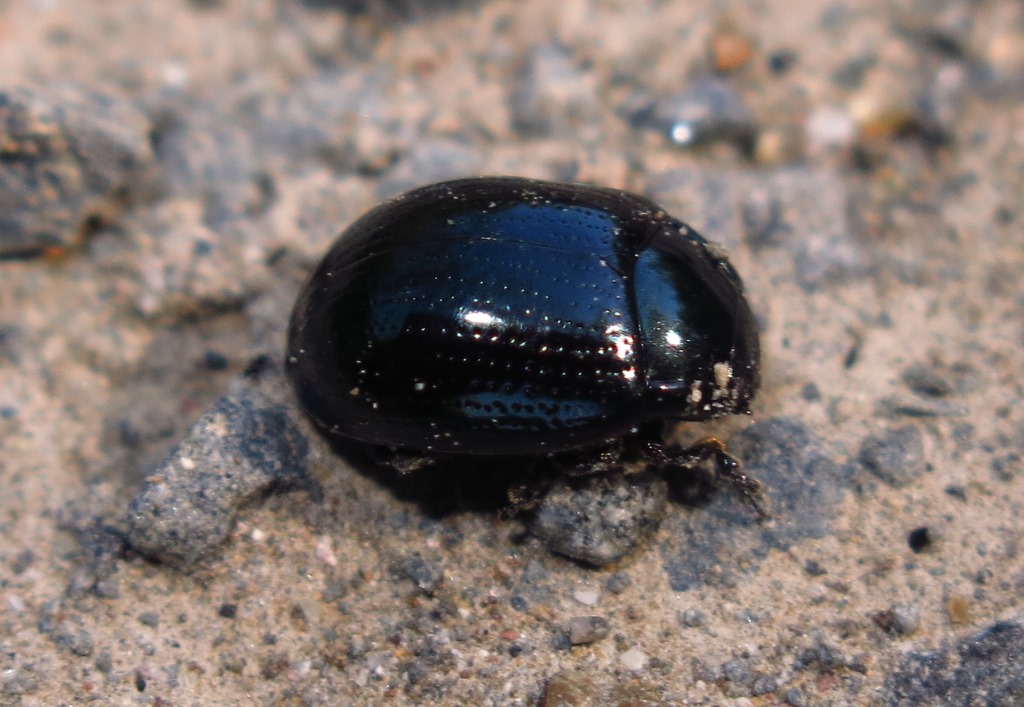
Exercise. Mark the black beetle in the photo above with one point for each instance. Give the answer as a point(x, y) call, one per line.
point(509, 316)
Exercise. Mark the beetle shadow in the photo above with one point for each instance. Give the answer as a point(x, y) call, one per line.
point(445, 485)
point(506, 485)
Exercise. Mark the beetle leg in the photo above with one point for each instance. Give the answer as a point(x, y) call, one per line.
point(403, 462)
point(727, 468)
point(603, 460)
point(526, 495)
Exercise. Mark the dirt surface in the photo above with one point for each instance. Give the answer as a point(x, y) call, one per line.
point(170, 172)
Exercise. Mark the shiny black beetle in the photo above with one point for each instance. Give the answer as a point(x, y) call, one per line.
point(508, 316)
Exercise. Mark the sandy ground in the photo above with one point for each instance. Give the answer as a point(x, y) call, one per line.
point(172, 171)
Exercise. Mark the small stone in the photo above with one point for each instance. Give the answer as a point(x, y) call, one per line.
point(22, 561)
point(273, 665)
point(633, 659)
point(746, 616)
point(70, 157)
point(570, 688)
point(325, 552)
point(336, 589)
point(762, 219)
point(560, 641)
point(710, 111)
point(814, 568)
point(228, 611)
point(234, 663)
point(149, 618)
point(958, 608)
point(895, 456)
point(1006, 467)
point(738, 672)
point(241, 448)
point(781, 61)
point(810, 392)
point(587, 597)
point(79, 642)
point(906, 619)
point(794, 696)
point(422, 573)
point(692, 618)
point(956, 491)
point(214, 360)
point(919, 539)
point(587, 629)
point(829, 128)
point(762, 685)
point(600, 519)
point(925, 380)
point(618, 582)
point(900, 620)
point(104, 663)
point(730, 49)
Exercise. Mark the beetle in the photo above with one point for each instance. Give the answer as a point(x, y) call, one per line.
point(497, 316)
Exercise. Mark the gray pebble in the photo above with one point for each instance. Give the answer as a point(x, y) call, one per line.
point(587, 629)
point(425, 575)
point(69, 155)
point(895, 456)
point(149, 618)
point(709, 111)
point(763, 684)
point(336, 589)
point(242, 447)
point(739, 677)
point(1006, 467)
point(814, 568)
point(22, 561)
point(560, 641)
point(600, 519)
point(988, 663)
point(794, 696)
point(940, 104)
point(104, 663)
point(746, 616)
point(822, 656)
point(762, 219)
point(79, 642)
point(692, 618)
point(618, 582)
point(571, 687)
point(925, 380)
point(906, 619)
